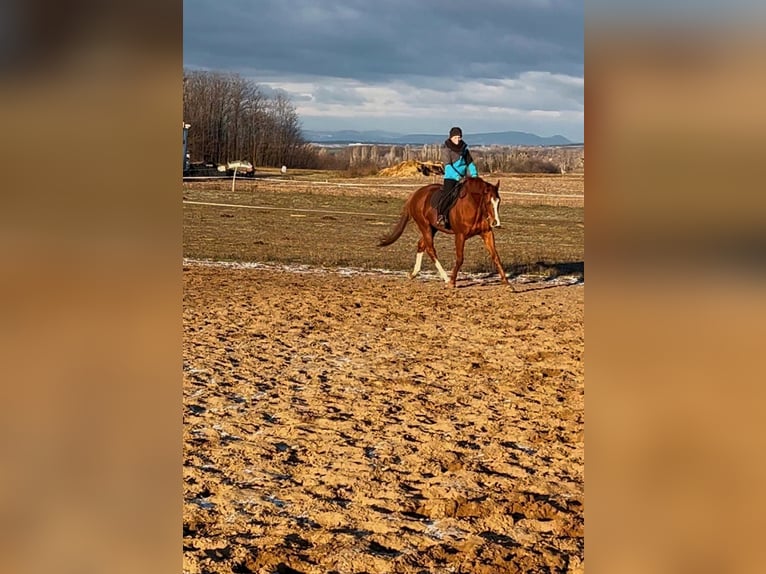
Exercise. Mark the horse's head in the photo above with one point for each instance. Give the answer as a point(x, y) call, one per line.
point(491, 201)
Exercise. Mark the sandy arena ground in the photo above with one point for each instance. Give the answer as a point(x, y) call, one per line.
point(370, 423)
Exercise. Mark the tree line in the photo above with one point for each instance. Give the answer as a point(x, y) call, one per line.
point(232, 119)
point(368, 159)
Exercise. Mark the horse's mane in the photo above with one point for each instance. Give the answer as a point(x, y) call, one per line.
point(475, 185)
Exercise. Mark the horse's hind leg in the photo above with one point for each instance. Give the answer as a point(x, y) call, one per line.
point(426, 243)
point(418, 260)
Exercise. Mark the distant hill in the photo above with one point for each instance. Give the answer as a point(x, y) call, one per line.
point(383, 137)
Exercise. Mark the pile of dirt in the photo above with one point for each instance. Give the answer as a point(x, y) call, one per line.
point(413, 167)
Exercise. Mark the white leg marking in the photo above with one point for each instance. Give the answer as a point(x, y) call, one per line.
point(495, 203)
point(442, 272)
point(418, 262)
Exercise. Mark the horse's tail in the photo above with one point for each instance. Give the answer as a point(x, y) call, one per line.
point(397, 231)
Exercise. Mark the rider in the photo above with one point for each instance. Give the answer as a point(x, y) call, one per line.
point(457, 160)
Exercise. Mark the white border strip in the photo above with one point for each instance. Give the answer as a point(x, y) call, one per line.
point(291, 209)
point(425, 275)
point(408, 185)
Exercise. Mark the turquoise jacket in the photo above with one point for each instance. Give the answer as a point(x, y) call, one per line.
point(457, 160)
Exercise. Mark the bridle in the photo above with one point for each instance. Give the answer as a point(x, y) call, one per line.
point(486, 202)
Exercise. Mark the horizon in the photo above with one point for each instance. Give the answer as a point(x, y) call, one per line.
point(428, 132)
point(467, 127)
point(387, 133)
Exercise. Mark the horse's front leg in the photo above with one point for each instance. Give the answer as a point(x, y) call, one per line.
point(459, 248)
point(489, 242)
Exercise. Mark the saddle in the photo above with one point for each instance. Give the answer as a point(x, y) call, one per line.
point(438, 197)
point(443, 203)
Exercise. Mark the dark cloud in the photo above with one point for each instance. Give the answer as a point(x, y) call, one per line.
point(375, 40)
point(415, 64)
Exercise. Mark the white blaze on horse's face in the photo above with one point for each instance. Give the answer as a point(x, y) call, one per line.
point(495, 204)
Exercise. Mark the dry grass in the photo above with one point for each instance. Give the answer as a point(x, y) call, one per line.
point(322, 219)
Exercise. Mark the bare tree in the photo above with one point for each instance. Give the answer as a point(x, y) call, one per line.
point(231, 119)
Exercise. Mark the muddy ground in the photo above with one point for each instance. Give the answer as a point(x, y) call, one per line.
point(370, 423)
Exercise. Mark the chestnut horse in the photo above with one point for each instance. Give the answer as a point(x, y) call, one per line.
point(474, 213)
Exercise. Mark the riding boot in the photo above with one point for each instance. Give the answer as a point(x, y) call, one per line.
point(445, 202)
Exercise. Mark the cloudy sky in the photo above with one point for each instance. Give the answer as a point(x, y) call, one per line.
point(409, 66)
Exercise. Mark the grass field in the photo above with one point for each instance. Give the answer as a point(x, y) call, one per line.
point(322, 219)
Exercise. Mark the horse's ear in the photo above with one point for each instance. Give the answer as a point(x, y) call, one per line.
point(497, 185)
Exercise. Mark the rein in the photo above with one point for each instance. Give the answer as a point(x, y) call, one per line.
point(481, 206)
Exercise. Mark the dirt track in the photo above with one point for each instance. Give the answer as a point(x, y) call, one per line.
point(377, 424)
